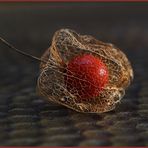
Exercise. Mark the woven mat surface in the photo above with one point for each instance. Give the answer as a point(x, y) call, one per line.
point(26, 119)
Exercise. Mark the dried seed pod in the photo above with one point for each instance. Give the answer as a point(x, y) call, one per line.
point(70, 76)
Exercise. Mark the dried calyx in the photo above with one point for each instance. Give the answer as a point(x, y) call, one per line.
point(83, 73)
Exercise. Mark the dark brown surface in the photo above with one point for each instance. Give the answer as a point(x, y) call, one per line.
point(26, 119)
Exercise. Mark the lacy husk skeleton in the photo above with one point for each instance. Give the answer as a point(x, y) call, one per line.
point(65, 45)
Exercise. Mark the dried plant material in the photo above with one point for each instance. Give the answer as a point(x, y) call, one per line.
point(83, 73)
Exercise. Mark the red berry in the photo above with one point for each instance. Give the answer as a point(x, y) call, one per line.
point(86, 76)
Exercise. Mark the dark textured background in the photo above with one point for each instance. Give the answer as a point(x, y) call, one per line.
point(26, 119)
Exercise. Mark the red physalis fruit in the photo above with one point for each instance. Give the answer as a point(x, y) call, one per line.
point(86, 76)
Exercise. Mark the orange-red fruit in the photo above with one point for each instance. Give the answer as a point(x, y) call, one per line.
point(86, 76)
